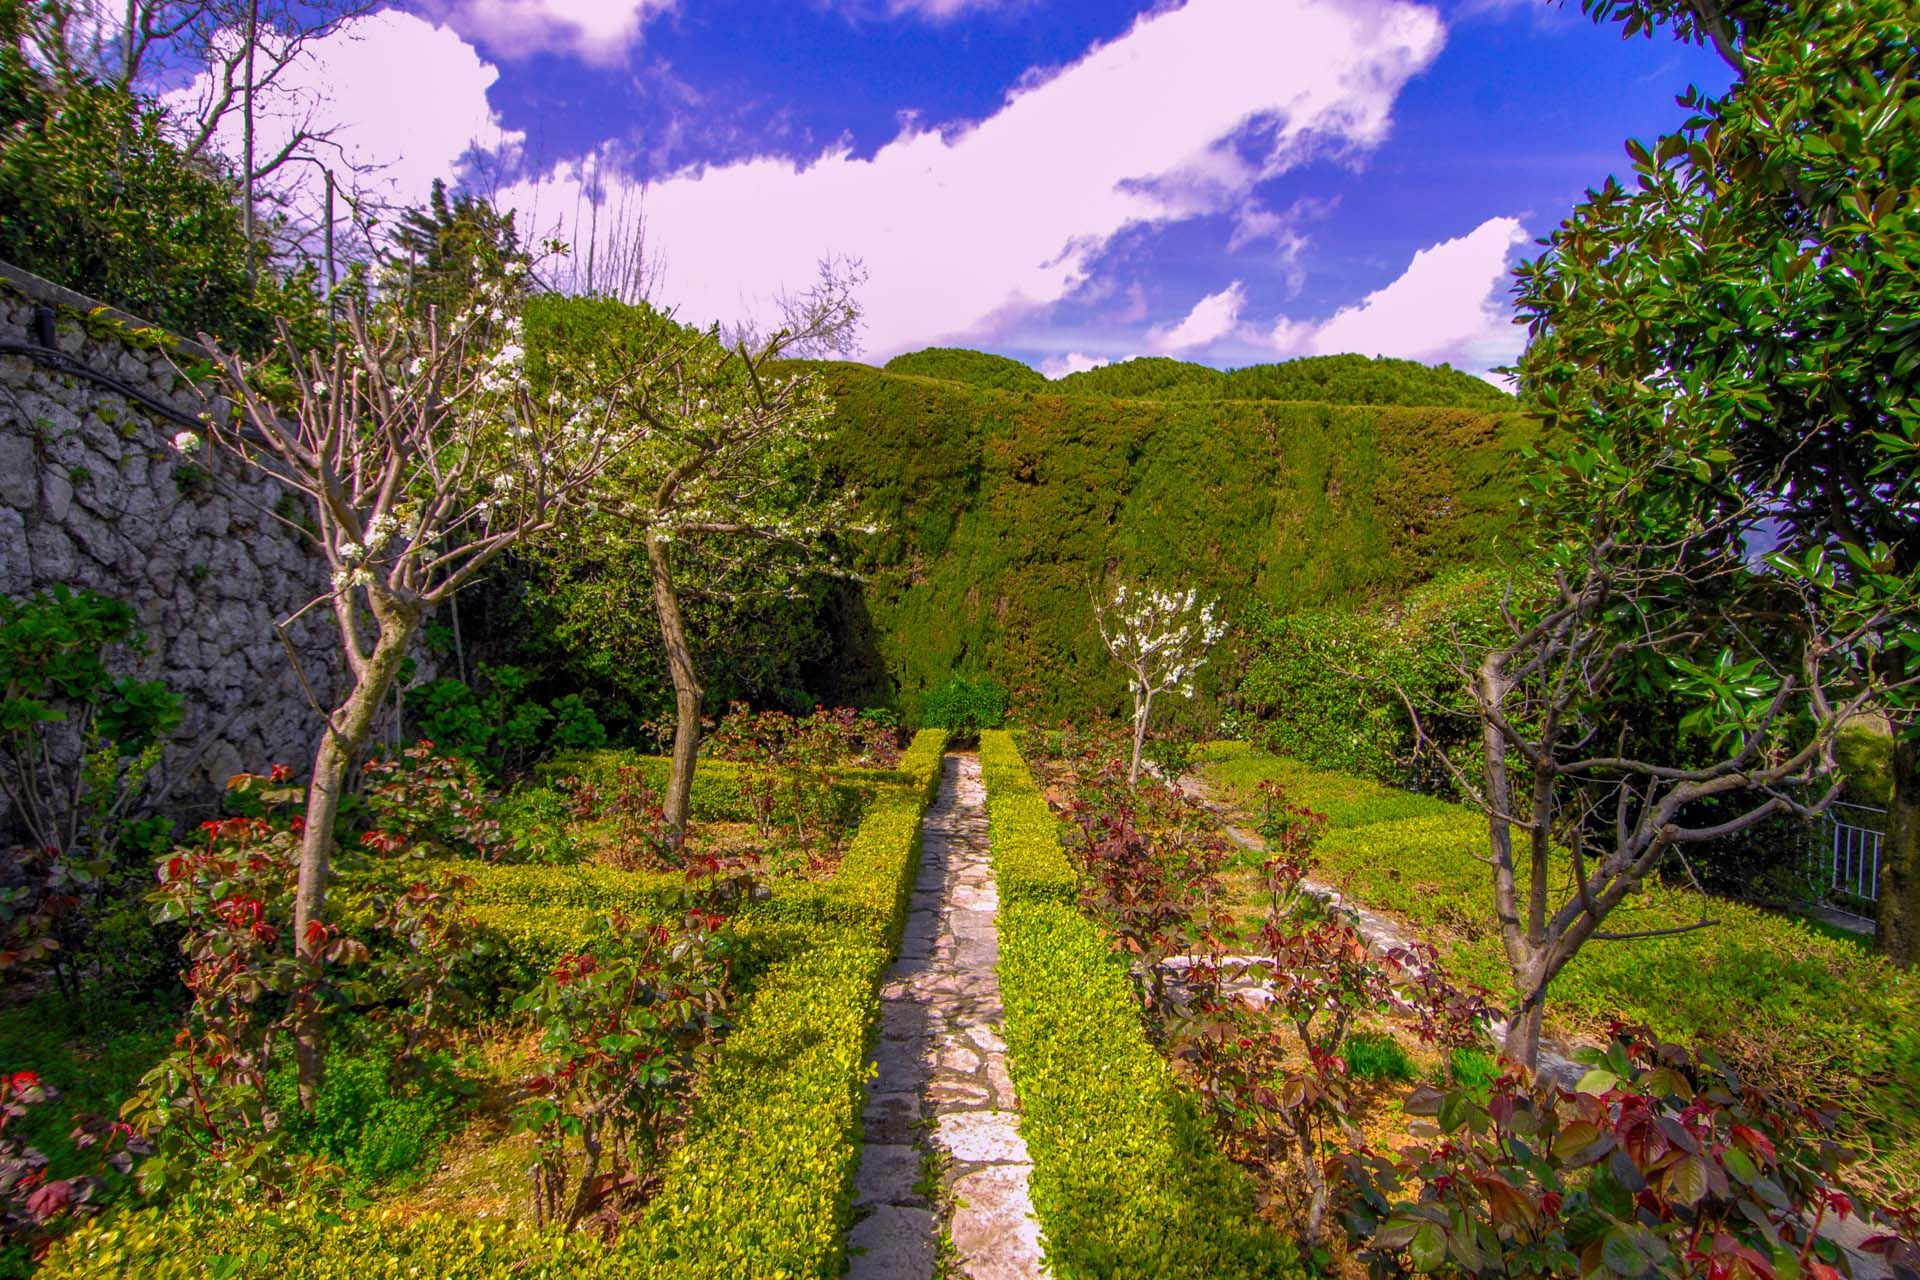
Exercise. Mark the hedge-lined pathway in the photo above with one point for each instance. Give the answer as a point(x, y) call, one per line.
point(941, 1123)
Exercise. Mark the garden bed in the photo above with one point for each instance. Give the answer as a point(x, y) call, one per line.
point(1800, 1009)
point(760, 1183)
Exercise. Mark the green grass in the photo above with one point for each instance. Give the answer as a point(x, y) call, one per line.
point(1374, 1056)
point(1799, 1007)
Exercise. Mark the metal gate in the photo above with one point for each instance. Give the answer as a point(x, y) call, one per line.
point(1855, 835)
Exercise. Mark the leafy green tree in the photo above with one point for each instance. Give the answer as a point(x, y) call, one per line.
point(1749, 306)
point(443, 248)
point(96, 195)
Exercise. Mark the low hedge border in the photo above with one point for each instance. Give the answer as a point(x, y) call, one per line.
point(1126, 1182)
point(762, 1187)
point(1028, 861)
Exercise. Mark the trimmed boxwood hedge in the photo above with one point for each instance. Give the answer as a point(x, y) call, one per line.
point(762, 1187)
point(1028, 862)
point(1126, 1181)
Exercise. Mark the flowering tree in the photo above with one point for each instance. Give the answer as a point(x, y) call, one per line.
point(426, 451)
point(727, 464)
point(1162, 638)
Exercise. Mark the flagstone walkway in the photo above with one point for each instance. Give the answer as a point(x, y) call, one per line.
point(943, 1173)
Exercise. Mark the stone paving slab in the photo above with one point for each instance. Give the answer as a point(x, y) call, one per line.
point(941, 1086)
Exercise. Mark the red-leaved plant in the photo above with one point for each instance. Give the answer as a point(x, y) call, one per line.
point(622, 1027)
point(1658, 1164)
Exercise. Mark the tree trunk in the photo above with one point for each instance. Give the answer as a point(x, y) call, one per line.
point(686, 690)
point(340, 746)
point(1522, 1042)
point(1898, 934)
point(1142, 712)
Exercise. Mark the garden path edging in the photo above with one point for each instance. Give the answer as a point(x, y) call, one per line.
point(941, 1089)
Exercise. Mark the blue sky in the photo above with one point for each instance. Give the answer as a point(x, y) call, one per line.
point(1230, 181)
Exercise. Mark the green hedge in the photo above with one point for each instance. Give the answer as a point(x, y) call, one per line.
point(996, 509)
point(761, 1187)
point(1028, 862)
point(1808, 1009)
point(1126, 1181)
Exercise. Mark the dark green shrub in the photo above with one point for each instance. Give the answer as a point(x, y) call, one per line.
point(1372, 1056)
point(965, 705)
point(495, 722)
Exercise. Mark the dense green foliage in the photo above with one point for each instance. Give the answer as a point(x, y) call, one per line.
point(96, 197)
point(1343, 379)
point(1325, 685)
point(1126, 1182)
point(1800, 1009)
point(976, 368)
point(966, 705)
point(1000, 515)
point(1768, 252)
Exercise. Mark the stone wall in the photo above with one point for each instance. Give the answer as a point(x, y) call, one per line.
point(94, 494)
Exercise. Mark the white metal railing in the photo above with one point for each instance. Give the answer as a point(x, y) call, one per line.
point(1853, 850)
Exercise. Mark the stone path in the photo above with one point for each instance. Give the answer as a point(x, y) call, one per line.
point(943, 1153)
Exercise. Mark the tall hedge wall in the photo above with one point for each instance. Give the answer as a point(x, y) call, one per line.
point(1001, 510)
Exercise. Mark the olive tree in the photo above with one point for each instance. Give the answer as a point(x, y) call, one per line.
point(424, 452)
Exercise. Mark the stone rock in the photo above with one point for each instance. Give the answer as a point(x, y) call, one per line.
point(981, 1137)
point(993, 1227)
point(892, 1243)
point(888, 1174)
point(19, 465)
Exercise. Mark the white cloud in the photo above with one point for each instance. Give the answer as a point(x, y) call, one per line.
point(1071, 362)
point(968, 228)
point(1212, 318)
point(598, 31)
point(1449, 304)
point(406, 101)
point(940, 10)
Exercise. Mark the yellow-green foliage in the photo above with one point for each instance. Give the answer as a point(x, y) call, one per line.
point(311, 1239)
point(716, 783)
point(1796, 1003)
point(1028, 862)
point(1001, 510)
point(1126, 1182)
point(762, 1186)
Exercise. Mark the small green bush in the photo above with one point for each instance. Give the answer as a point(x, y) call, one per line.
point(965, 705)
point(1029, 863)
point(361, 1122)
point(1371, 1056)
